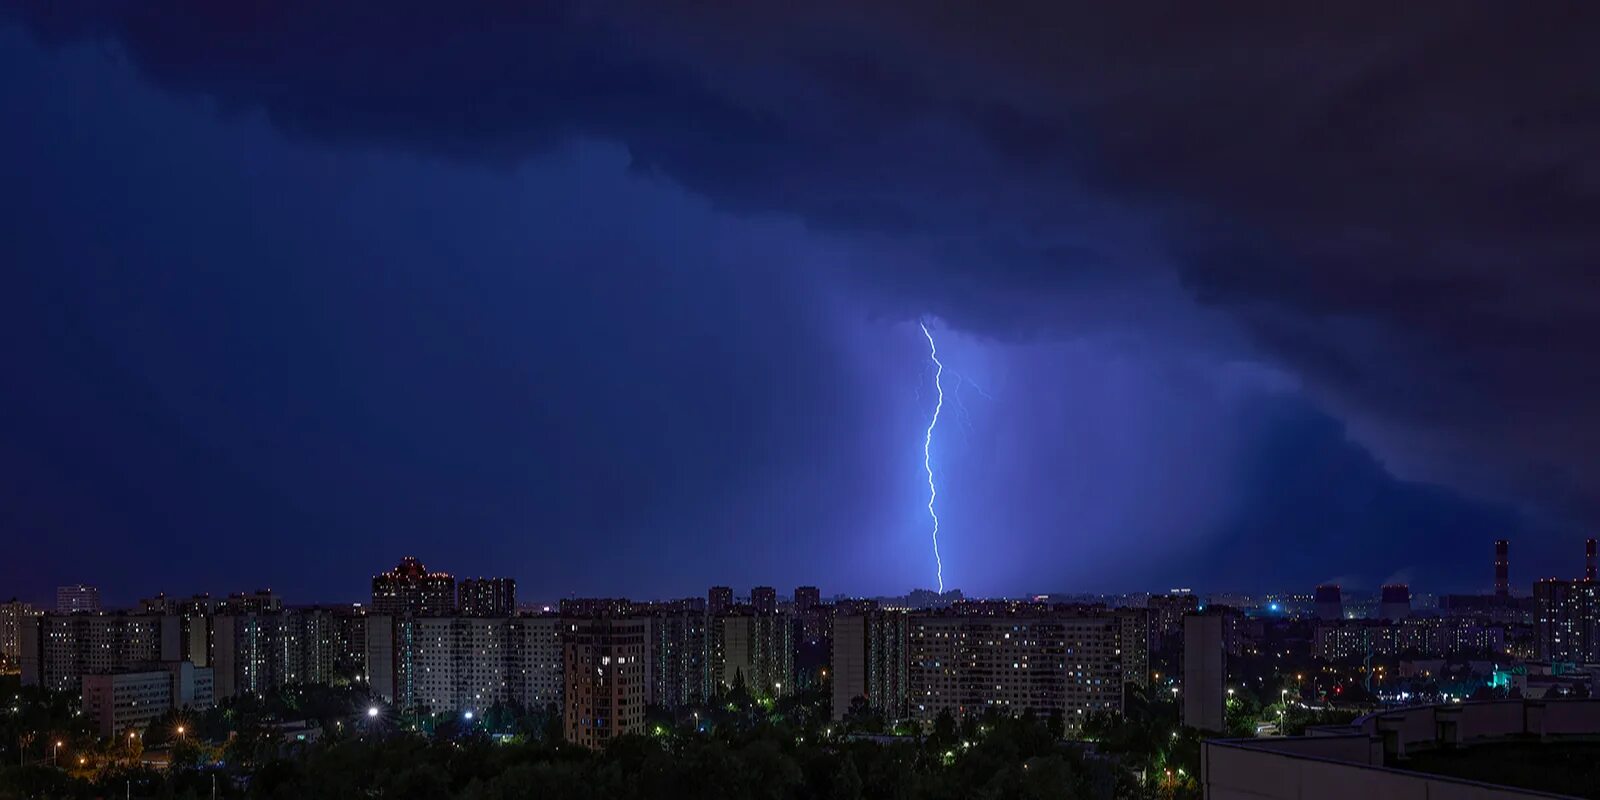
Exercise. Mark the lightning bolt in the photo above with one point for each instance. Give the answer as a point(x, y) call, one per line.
point(927, 445)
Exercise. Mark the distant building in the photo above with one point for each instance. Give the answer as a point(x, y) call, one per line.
point(812, 616)
point(604, 679)
point(14, 615)
point(77, 599)
point(259, 601)
point(677, 664)
point(1042, 661)
point(457, 664)
point(757, 649)
point(1133, 639)
point(488, 597)
point(130, 701)
point(764, 599)
point(1204, 673)
point(1568, 620)
point(1502, 569)
point(719, 599)
point(255, 652)
point(1166, 616)
point(1329, 601)
point(1425, 636)
point(59, 649)
point(410, 588)
point(590, 607)
point(869, 661)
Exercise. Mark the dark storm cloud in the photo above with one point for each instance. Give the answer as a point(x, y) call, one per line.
point(1398, 202)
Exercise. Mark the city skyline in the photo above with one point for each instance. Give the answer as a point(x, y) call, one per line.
point(568, 295)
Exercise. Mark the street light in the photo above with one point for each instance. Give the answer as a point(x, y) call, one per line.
point(53, 752)
point(372, 712)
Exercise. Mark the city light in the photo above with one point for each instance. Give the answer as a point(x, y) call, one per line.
point(372, 712)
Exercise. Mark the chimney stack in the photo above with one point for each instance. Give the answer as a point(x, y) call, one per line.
point(1588, 560)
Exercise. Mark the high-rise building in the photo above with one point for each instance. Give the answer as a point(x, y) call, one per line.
point(77, 598)
point(1166, 616)
point(255, 651)
point(756, 649)
point(1502, 569)
point(1589, 560)
point(457, 664)
point(870, 661)
point(488, 597)
point(676, 661)
point(410, 588)
point(1394, 602)
point(1329, 602)
point(13, 615)
point(1047, 662)
point(1568, 620)
point(59, 649)
point(719, 599)
point(604, 680)
point(764, 599)
point(1203, 673)
point(806, 598)
point(1133, 639)
point(534, 657)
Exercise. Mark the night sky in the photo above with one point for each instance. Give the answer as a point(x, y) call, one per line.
point(621, 301)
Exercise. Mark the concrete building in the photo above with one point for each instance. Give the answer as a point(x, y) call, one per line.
point(255, 652)
point(1048, 662)
point(764, 599)
point(1425, 636)
point(256, 602)
point(59, 649)
point(455, 663)
point(534, 658)
point(757, 649)
point(870, 661)
point(719, 600)
point(604, 679)
point(410, 588)
point(813, 617)
point(458, 664)
point(1567, 624)
point(677, 660)
point(77, 599)
point(1204, 673)
point(13, 616)
point(1134, 641)
point(488, 597)
point(129, 701)
point(1166, 616)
